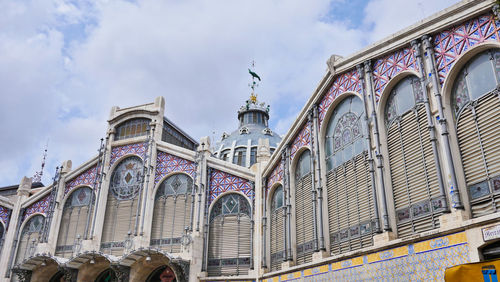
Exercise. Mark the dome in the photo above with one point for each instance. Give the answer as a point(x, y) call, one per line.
point(240, 147)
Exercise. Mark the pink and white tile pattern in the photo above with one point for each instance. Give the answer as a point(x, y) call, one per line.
point(451, 43)
point(138, 149)
point(302, 139)
point(88, 178)
point(221, 182)
point(41, 206)
point(5, 216)
point(167, 163)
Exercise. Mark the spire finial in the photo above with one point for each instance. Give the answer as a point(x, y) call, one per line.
point(38, 175)
point(253, 85)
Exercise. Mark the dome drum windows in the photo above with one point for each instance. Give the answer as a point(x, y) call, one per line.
point(352, 221)
point(476, 105)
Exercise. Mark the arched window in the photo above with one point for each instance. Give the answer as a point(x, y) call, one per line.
point(414, 177)
point(350, 203)
point(277, 229)
point(107, 275)
point(304, 209)
point(253, 155)
point(29, 238)
point(477, 114)
point(132, 128)
point(121, 208)
point(74, 221)
point(172, 211)
point(229, 236)
point(2, 235)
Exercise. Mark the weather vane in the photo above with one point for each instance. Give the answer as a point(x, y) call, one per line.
point(38, 175)
point(253, 85)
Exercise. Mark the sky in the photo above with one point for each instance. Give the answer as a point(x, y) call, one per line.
point(64, 64)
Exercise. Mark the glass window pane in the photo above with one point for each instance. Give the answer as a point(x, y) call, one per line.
point(480, 76)
point(404, 97)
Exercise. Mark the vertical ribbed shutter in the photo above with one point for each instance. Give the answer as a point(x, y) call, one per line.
point(229, 245)
point(277, 238)
point(413, 173)
point(73, 224)
point(479, 142)
point(118, 221)
point(27, 243)
point(350, 206)
point(304, 218)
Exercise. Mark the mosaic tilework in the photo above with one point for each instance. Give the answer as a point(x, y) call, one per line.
point(88, 177)
point(221, 182)
point(41, 206)
point(302, 139)
point(276, 175)
point(166, 163)
point(138, 149)
point(387, 67)
point(449, 44)
point(5, 216)
point(348, 81)
point(422, 261)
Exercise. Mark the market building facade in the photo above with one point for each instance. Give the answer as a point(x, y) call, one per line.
point(391, 171)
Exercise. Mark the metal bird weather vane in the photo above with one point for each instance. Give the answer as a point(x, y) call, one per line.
point(254, 84)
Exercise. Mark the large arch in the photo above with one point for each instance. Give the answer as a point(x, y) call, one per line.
point(173, 204)
point(277, 221)
point(351, 213)
point(471, 98)
point(229, 235)
point(302, 211)
point(29, 237)
point(77, 207)
point(415, 185)
point(122, 206)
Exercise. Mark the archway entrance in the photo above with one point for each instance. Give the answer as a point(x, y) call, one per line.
point(163, 274)
point(107, 275)
point(58, 277)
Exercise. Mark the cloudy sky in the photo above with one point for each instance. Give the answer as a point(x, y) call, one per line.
point(64, 64)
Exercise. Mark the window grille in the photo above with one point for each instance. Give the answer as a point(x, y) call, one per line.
point(415, 186)
point(349, 188)
point(476, 103)
point(132, 128)
point(229, 236)
point(277, 229)
point(304, 209)
point(73, 222)
point(171, 212)
point(29, 238)
point(121, 208)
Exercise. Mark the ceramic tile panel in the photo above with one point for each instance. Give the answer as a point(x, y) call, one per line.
point(167, 163)
point(221, 182)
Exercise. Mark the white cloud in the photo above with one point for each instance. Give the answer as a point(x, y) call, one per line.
point(63, 64)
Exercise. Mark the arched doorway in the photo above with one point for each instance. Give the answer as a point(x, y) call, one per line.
point(107, 275)
point(163, 273)
point(58, 277)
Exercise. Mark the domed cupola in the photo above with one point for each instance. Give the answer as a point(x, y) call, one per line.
point(240, 147)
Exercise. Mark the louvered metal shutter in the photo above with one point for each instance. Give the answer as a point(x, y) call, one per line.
point(72, 225)
point(350, 206)
point(304, 219)
point(229, 245)
point(118, 221)
point(26, 246)
point(170, 218)
point(277, 238)
point(413, 173)
point(479, 148)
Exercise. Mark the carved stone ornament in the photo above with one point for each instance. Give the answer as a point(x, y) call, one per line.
point(22, 274)
point(122, 272)
point(244, 130)
point(334, 59)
